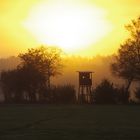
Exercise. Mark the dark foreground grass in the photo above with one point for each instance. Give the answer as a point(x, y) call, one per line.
point(52, 122)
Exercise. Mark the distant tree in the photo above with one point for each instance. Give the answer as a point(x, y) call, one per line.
point(16, 82)
point(11, 85)
point(46, 60)
point(127, 63)
point(64, 94)
point(31, 81)
point(32, 75)
point(105, 93)
point(6, 85)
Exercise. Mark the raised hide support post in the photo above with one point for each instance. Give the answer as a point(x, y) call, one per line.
point(85, 87)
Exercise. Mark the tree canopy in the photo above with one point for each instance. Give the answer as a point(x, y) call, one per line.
point(127, 63)
point(47, 60)
point(32, 75)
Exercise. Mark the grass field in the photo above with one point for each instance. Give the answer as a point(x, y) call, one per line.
point(69, 122)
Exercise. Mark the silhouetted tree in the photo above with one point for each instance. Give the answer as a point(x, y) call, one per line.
point(32, 75)
point(105, 93)
point(127, 63)
point(11, 85)
point(46, 60)
point(16, 82)
point(6, 85)
point(32, 82)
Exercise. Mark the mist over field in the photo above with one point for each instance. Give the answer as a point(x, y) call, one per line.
point(100, 65)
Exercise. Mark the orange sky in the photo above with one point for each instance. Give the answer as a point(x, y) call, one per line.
point(15, 38)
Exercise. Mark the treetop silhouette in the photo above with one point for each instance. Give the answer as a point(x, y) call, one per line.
point(127, 63)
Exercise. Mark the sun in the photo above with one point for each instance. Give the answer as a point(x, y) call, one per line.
point(69, 26)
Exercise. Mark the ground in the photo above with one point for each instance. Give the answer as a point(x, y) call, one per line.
point(69, 122)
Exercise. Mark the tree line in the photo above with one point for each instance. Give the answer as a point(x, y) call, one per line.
point(31, 80)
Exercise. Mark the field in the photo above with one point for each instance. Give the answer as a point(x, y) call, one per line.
point(69, 122)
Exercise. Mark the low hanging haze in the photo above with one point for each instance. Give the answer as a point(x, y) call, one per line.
point(79, 27)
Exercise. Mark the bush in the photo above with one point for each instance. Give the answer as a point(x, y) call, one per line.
point(105, 93)
point(64, 94)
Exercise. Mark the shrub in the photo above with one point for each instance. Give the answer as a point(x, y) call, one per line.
point(105, 93)
point(64, 94)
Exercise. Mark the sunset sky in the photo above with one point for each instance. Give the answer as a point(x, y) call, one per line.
point(79, 27)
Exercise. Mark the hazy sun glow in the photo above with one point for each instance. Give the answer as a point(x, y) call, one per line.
point(70, 27)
